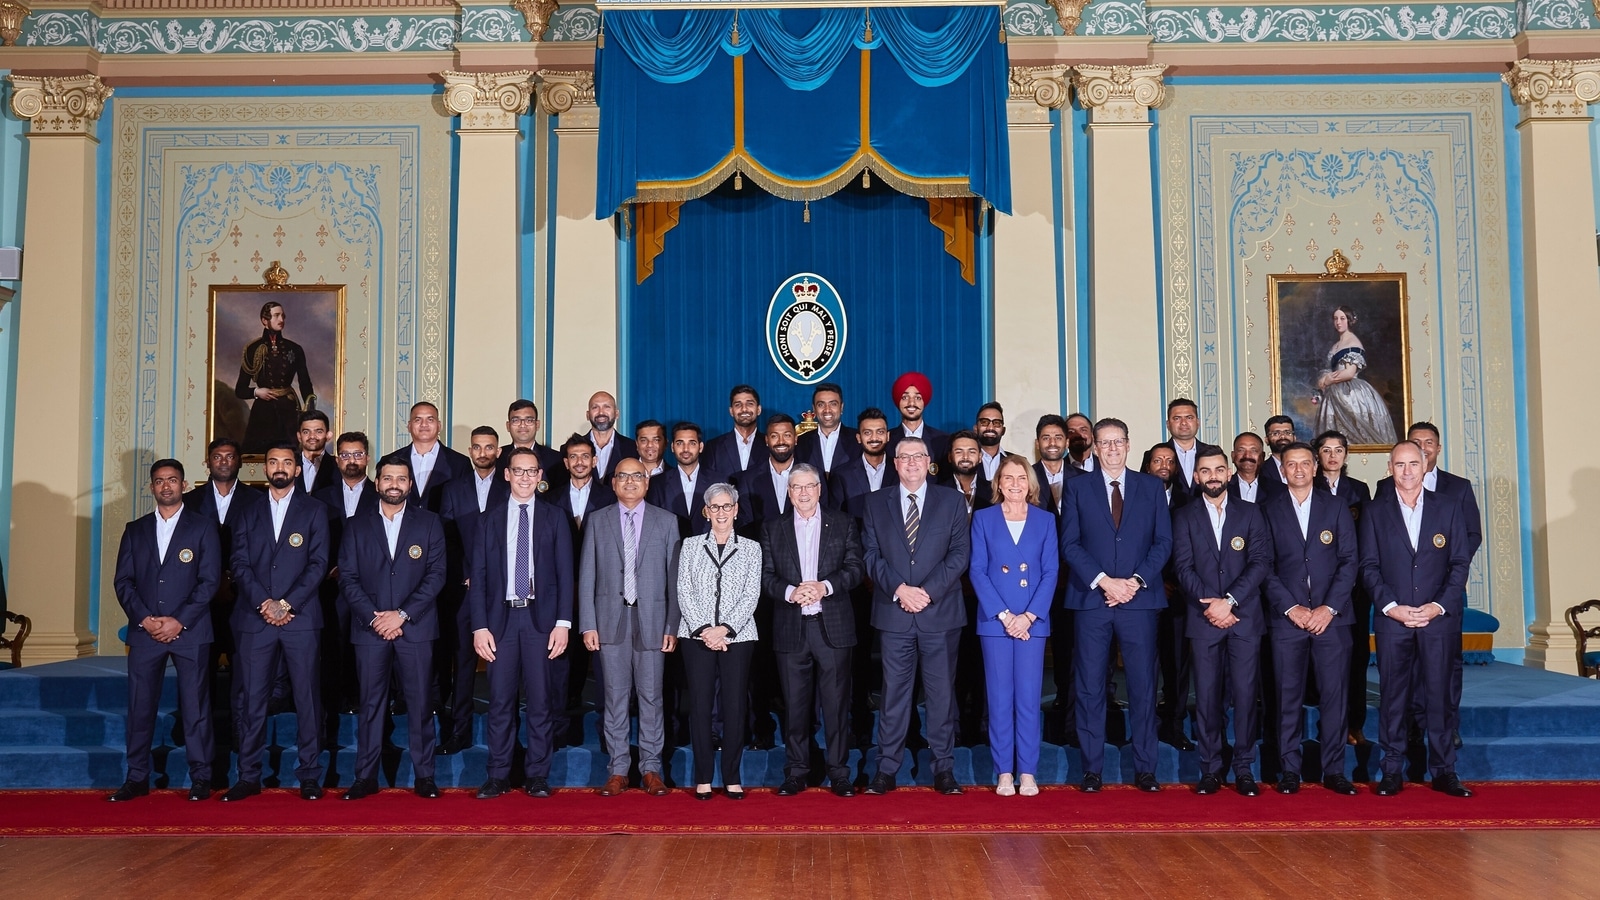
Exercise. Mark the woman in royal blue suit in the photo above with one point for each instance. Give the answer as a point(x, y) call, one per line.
point(1013, 570)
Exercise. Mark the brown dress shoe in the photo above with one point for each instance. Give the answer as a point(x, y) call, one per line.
point(614, 785)
point(654, 786)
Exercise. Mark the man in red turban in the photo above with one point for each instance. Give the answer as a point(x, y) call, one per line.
point(911, 394)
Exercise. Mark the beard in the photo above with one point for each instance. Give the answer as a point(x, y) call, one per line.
point(1214, 489)
point(965, 467)
point(1077, 446)
point(780, 454)
point(280, 480)
point(989, 438)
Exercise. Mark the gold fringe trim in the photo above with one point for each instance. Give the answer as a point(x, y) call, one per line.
point(911, 186)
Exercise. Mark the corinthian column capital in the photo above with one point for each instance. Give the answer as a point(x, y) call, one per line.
point(1554, 88)
point(1044, 85)
point(559, 92)
point(1119, 94)
point(58, 105)
point(488, 101)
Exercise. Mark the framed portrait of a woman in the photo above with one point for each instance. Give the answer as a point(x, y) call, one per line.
point(1341, 354)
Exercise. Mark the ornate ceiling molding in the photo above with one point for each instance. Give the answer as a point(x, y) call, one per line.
point(536, 15)
point(11, 16)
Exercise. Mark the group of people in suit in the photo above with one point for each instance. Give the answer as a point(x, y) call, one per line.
point(727, 588)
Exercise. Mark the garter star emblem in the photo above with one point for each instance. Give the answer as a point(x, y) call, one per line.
point(1238, 543)
point(806, 328)
point(1438, 541)
point(296, 539)
point(187, 555)
point(415, 552)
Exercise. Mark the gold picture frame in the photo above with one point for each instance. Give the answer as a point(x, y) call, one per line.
point(1340, 352)
point(309, 347)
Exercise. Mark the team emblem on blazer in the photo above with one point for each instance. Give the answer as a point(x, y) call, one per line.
point(543, 486)
point(1238, 543)
point(187, 555)
point(1327, 537)
point(1438, 541)
point(415, 552)
point(806, 328)
point(296, 539)
point(933, 468)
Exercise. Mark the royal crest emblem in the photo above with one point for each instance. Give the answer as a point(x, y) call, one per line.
point(806, 328)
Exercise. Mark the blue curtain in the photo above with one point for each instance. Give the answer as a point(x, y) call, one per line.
point(682, 106)
point(906, 307)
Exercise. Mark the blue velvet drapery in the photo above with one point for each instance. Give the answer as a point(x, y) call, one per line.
point(915, 95)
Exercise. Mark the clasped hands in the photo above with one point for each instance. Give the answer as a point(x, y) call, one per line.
point(1018, 624)
point(1219, 612)
point(274, 613)
point(1315, 621)
point(1118, 590)
point(271, 393)
point(716, 637)
point(1414, 616)
point(388, 624)
point(164, 629)
point(912, 599)
point(808, 592)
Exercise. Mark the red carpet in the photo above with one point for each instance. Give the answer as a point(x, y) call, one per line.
point(906, 811)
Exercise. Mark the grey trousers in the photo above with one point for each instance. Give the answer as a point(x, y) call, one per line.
point(632, 666)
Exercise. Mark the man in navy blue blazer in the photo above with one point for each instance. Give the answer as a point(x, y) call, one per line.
point(391, 569)
point(579, 494)
point(432, 463)
point(918, 541)
point(1415, 552)
point(280, 555)
point(832, 443)
point(680, 489)
point(871, 470)
point(454, 659)
point(1309, 604)
point(1250, 481)
point(1221, 551)
point(353, 494)
point(522, 600)
point(1116, 535)
point(168, 565)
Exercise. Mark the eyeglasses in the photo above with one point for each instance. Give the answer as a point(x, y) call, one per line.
point(996, 422)
point(911, 456)
point(524, 473)
point(805, 485)
point(722, 507)
point(524, 420)
point(359, 454)
point(631, 476)
point(1112, 443)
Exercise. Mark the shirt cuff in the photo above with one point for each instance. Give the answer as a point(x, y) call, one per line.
point(1096, 582)
point(1442, 610)
point(1390, 606)
point(563, 623)
point(787, 593)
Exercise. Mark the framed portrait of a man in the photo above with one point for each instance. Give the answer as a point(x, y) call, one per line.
point(1341, 357)
point(275, 353)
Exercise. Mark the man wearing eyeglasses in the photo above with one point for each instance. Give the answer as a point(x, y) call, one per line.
point(1116, 535)
point(522, 430)
point(521, 597)
point(917, 544)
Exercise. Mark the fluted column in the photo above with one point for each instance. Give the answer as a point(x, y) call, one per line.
point(584, 306)
point(52, 493)
point(486, 310)
point(1029, 346)
point(1562, 296)
point(1126, 336)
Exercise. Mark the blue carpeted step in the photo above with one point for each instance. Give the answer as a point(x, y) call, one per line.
point(68, 728)
point(54, 766)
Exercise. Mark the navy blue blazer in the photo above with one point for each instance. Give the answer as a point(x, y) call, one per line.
point(721, 456)
point(982, 490)
point(666, 491)
point(848, 487)
point(1237, 567)
point(1458, 489)
point(1353, 492)
point(600, 496)
point(371, 582)
point(1091, 545)
point(944, 546)
point(1317, 570)
point(938, 444)
point(1266, 487)
point(181, 586)
point(203, 500)
point(1019, 576)
point(327, 472)
point(1435, 572)
point(289, 567)
point(626, 448)
point(449, 465)
point(333, 498)
point(459, 510)
point(1047, 499)
point(554, 594)
point(808, 449)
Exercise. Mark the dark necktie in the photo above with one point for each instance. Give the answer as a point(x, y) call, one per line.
point(1116, 505)
point(913, 521)
point(524, 581)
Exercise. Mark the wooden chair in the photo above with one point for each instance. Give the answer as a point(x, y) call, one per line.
point(1588, 660)
point(15, 642)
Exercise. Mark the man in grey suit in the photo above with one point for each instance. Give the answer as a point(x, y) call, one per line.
point(628, 611)
point(917, 545)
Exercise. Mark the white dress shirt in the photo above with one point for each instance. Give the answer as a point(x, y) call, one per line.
point(1186, 459)
point(1087, 465)
point(352, 495)
point(907, 430)
point(1413, 519)
point(279, 509)
point(164, 530)
point(483, 485)
point(1302, 512)
point(602, 455)
point(780, 485)
point(875, 474)
point(991, 464)
point(391, 528)
point(1333, 484)
point(579, 498)
point(422, 466)
point(829, 443)
point(687, 479)
point(308, 469)
point(223, 501)
point(808, 540)
point(1122, 482)
point(921, 494)
point(1249, 489)
point(1219, 515)
point(1430, 481)
point(743, 445)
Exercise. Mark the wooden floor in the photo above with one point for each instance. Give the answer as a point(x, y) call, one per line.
point(1546, 865)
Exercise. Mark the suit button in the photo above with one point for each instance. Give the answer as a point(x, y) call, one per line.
point(1005, 570)
point(1024, 582)
point(1023, 567)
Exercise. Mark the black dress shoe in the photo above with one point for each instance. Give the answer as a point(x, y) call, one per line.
point(1390, 785)
point(242, 790)
point(128, 791)
point(1339, 785)
point(733, 795)
point(1288, 783)
point(1091, 783)
point(493, 788)
point(1448, 783)
point(361, 789)
point(200, 789)
point(945, 783)
point(426, 788)
point(537, 787)
point(702, 795)
point(1176, 738)
point(451, 747)
point(880, 784)
point(791, 786)
point(310, 790)
point(1146, 781)
point(843, 789)
point(1209, 784)
point(1246, 785)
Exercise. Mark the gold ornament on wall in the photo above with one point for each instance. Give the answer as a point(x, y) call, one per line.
point(536, 15)
point(1069, 13)
point(12, 15)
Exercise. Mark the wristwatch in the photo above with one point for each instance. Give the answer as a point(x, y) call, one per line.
point(1139, 580)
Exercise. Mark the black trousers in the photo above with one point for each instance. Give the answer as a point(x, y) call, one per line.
point(259, 656)
point(1175, 670)
point(522, 665)
point(457, 666)
point(717, 677)
point(413, 661)
point(1297, 656)
point(147, 668)
point(817, 672)
point(1227, 667)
